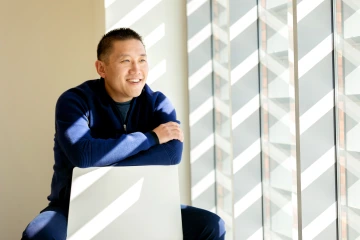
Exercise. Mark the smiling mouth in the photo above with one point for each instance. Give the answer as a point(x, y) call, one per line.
point(134, 80)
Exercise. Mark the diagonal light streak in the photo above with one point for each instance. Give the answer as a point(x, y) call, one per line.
point(353, 196)
point(249, 199)
point(305, 7)
point(110, 213)
point(314, 56)
point(201, 111)
point(353, 138)
point(243, 23)
point(199, 38)
point(351, 53)
point(156, 72)
point(202, 185)
point(201, 148)
point(354, 221)
point(136, 14)
point(352, 164)
point(273, 65)
point(319, 167)
point(352, 85)
point(194, 5)
point(246, 156)
point(81, 183)
point(200, 74)
point(246, 111)
point(353, 4)
point(273, 22)
point(220, 34)
point(316, 112)
point(155, 36)
point(222, 143)
point(220, 70)
point(223, 180)
point(221, 107)
point(258, 235)
point(244, 67)
point(320, 223)
point(107, 3)
point(351, 28)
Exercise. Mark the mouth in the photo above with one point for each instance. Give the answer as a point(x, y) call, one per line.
point(134, 81)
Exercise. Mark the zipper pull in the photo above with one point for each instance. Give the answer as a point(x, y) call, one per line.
point(125, 127)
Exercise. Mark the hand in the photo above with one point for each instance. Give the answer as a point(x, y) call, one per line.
point(169, 131)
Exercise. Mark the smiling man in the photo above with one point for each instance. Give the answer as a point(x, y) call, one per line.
point(115, 120)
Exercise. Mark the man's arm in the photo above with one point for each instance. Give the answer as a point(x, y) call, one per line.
point(73, 135)
point(170, 136)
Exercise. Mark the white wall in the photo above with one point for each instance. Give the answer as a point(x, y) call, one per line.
point(47, 47)
point(165, 22)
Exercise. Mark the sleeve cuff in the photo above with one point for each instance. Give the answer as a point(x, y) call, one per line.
point(155, 137)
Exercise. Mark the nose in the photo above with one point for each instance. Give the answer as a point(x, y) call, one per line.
point(135, 68)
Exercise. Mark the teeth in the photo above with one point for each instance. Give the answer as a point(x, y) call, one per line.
point(135, 80)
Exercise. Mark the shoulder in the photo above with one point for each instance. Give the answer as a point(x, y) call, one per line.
point(79, 94)
point(157, 98)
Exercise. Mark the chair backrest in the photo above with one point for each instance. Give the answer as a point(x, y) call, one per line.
point(140, 202)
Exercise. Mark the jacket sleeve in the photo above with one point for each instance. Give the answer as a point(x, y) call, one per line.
point(74, 138)
point(161, 154)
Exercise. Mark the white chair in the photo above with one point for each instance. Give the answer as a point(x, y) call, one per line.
point(132, 203)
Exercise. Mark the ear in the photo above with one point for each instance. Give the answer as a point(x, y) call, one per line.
point(100, 68)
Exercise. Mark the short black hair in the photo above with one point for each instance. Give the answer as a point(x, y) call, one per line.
point(120, 34)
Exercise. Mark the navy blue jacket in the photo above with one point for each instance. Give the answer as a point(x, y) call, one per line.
point(89, 132)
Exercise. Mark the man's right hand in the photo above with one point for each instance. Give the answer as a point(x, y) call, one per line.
point(169, 131)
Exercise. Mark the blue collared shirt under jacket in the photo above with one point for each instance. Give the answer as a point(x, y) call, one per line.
point(89, 132)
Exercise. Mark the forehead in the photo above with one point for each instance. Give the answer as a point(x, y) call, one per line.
point(132, 47)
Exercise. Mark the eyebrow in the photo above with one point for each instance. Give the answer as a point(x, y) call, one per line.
point(126, 55)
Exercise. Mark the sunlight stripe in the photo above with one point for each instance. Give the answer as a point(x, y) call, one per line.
point(136, 14)
point(305, 7)
point(317, 111)
point(107, 3)
point(202, 185)
point(200, 149)
point(243, 23)
point(199, 38)
point(200, 74)
point(222, 143)
point(249, 199)
point(246, 156)
point(194, 5)
point(109, 214)
point(258, 235)
point(221, 107)
point(81, 183)
point(314, 56)
point(223, 180)
point(156, 72)
point(319, 167)
point(220, 70)
point(244, 67)
point(155, 36)
point(220, 34)
point(320, 223)
point(246, 111)
point(201, 111)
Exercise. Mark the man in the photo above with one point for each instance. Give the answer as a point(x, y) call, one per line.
point(115, 120)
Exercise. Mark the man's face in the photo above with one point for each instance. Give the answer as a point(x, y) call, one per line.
point(125, 70)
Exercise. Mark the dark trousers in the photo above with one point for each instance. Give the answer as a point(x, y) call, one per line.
point(51, 224)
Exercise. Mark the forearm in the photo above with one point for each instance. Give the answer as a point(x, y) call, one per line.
point(163, 154)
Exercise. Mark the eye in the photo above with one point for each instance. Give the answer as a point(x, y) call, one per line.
point(142, 60)
point(126, 60)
